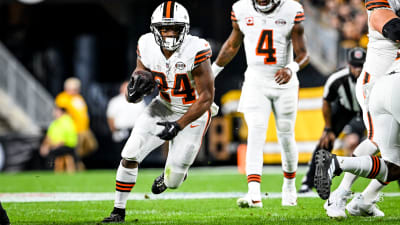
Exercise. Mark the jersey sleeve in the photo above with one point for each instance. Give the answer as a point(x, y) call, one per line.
point(330, 90)
point(377, 4)
point(203, 53)
point(299, 17)
point(141, 50)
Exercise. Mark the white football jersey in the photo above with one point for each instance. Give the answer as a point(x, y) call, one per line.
point(267, 37)
point(175, 74)
point(381, 51)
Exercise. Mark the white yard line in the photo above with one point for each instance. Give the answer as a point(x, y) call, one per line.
point(101, 196)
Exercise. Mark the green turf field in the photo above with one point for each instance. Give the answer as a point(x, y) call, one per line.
point(173, 211)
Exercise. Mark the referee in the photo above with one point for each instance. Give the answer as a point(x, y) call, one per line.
point(340, 108)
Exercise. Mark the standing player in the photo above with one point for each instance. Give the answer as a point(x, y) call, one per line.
point(339, 107)
point(384, 38)
point(270, 30)
point(182, 111)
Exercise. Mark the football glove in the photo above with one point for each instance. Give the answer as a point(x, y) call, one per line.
point(140, 84)
point(171, 129)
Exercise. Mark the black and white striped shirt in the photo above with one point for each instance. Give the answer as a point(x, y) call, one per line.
point(341, 86)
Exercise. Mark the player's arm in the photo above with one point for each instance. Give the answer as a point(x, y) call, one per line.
point(205, 88)
point(385, 21)
point(204, 81)
point(299, 46)
point(328, 137)
point(229, 49)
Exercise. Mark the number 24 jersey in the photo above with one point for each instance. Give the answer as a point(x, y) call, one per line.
point(178, 89)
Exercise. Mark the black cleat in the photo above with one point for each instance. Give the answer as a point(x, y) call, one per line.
point(327, 167)
point(159, 186)
point(305, 189)
point(4, 218)
point(116, 216)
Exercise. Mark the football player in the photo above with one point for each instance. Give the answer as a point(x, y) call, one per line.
point(339, 108)
point(182, 111)
point(384, 38)
point(270, 31)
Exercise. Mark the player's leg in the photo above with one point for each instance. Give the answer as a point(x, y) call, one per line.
point(140, 143)
point(256, 107)
point(183, 150)
point(340, 117)
point(285, 110)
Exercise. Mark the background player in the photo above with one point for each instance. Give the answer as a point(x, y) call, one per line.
point(182, 111)
point(384, 36)
point(339, 107)
point(270, 30)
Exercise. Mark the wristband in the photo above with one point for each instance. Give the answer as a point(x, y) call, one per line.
point(328, 129)
point(216, 69)
point(293, 66)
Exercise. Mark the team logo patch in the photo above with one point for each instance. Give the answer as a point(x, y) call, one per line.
point(180, 65)
point(280, 22)
point(249, 21)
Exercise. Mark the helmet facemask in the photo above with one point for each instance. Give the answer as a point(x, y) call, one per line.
point(169, 43)
point(266, 8)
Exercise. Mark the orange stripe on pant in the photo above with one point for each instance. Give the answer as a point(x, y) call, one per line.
point(289, 175)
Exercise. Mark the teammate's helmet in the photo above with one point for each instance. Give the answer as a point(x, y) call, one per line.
point(170, 13)
point(266, 8)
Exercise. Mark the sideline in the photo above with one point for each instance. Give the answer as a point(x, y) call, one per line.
point(103, 196)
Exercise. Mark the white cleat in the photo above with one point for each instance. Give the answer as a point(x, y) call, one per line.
point(358, 207)
point(289, 197)
point(249, 202)
point(335, 206)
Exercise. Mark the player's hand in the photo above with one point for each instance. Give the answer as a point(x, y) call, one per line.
point(171, 129)
point(283, 76)
point(327, 140)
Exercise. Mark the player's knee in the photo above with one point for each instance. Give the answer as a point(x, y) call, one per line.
point(285, 126)
point(393, 171)
point(132, 148)
point(174, 177)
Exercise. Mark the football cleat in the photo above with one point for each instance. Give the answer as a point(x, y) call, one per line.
point(327, 167)
point(249, 201)
point(335, 206)
point(159, 186)
point(289, 197)
point(4, 218)
point(304, 189)
point(116, 216)
point(358, 207)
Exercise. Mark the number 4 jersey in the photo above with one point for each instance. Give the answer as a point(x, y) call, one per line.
point(267, 37)
point(178, 89)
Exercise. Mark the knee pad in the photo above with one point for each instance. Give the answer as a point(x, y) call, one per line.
point(132, 148)
point(174, 176)
point(285, 126)
point(256, 120)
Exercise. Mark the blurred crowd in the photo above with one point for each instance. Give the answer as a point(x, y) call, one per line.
point(349, 17)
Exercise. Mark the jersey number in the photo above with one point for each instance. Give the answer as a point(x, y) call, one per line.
point(182, 87)
point(265, 47)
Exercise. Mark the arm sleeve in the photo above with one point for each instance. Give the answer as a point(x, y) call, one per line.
point(376, 4)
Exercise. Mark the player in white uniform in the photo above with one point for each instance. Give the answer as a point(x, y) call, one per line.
point(181, 113)
point(270, 31)
point(384, 36)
